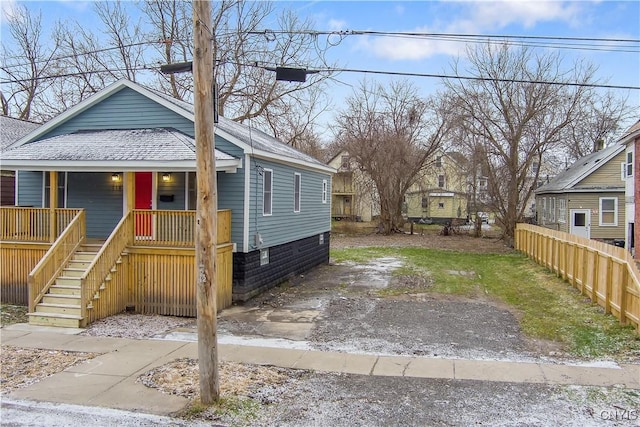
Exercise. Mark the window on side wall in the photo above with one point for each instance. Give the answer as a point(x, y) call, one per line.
point(441, 181)
point(324, 190)
point(297, 183)
point(609, 211)
point(562, 210)
point(267, 192)
point(629, 163)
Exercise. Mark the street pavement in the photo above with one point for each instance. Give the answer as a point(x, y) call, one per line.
point(108, 381)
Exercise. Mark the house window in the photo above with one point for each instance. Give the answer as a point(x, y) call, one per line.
point(324, 191)
point(439, 161)
point(544, 210)
point(344, 163)
point(440, 205)
point(425, 202)
point(441, 181)
point(296, 191)
point(552, 209)
point(62, 190)
point(267, 191)
point(629, 163)
point(609, 211)
point(562, 210)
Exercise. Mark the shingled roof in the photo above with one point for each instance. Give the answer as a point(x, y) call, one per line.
point(12, 130)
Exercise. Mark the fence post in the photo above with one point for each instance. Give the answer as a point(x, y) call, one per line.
point(609, 276)
point(596, 270)
point(623, 295)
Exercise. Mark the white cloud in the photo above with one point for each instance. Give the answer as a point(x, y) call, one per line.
point(8, 10)
point(337, 25)
point(526, 12)
point(400, 9)
point(480, 17)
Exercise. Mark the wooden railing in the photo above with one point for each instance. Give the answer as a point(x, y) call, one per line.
point(174, 228)
point(32, 224)
point(101, 267)
point(47, 270)
point(607, 274)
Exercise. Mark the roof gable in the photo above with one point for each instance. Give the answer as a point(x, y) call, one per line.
point(581, 169)
point(250, 140)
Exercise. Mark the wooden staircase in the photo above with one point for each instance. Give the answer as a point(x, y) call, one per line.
point(61, 305)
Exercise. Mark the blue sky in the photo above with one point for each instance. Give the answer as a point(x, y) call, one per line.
point(593, 19)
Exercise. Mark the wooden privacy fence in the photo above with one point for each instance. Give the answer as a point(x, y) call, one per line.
point(605, 273)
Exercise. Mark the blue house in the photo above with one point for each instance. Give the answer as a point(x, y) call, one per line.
point(132, 148)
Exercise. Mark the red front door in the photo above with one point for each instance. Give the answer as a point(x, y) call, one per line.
point(144, 196)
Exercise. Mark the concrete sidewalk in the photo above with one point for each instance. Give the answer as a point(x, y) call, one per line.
point(109, 380)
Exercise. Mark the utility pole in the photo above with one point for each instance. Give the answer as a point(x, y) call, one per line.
point(207, 202)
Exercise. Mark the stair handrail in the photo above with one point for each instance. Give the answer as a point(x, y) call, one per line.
point(106, 258)
point(51, 264)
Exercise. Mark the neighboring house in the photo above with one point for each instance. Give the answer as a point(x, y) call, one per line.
point(587, 199)
point(631, 171)
point(441, 194)
point(131, 147)
point(353, 193)
point(11, 130)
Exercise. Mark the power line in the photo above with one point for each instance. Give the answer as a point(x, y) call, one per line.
point(455, 77)
point(256, 64)
point(462, 35)
point(555, 42)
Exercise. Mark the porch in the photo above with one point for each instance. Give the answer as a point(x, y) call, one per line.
point(147, 264)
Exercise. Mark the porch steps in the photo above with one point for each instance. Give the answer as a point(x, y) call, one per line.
point(61, 306)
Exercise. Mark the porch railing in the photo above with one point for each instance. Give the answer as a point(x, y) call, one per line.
point(605, 273)
point(101, 267)
point(33, 224)
point(174, 228)
point(47, 270)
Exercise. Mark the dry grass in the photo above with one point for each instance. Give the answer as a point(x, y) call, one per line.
point(180, 377)
point(22, 367)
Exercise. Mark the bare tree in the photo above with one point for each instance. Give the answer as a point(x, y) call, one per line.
point(521, 106)
point(27, 65)
point(390, 132)
point(245, 55)
point(599, 121)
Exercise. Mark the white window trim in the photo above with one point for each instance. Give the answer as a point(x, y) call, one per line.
point(45, 189)
point(264, 173)
point(325, 186)
point(615, 212)
point(297, 202)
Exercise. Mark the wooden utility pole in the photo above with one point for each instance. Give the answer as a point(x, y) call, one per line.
point(207, 206)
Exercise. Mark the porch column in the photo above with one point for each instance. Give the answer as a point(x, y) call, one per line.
point(131, 191)
point(53, 204)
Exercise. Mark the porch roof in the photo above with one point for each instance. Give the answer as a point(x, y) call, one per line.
point(127, 150)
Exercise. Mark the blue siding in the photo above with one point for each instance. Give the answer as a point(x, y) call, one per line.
point(29, 188)
point(285, 225)
point(126, 109)
point(176, 188)
point(231, 196)
point(102, 200)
